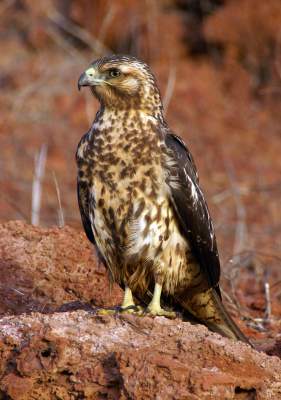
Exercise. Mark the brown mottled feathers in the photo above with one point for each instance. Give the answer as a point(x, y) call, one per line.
point(83, 197)
point(192, 209)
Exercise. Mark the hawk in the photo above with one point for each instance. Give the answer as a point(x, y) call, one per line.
point(140, 200)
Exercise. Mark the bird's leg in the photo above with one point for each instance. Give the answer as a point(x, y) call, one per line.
point(128, 300)
point(128, 304)
point(154, 307)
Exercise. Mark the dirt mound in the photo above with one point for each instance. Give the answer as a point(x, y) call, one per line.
point(41, 269)
point(49, 351)
point(81, 356)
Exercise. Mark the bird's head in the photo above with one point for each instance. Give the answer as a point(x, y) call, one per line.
point(122, 82)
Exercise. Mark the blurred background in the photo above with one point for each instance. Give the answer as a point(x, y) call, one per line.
point(218, 64)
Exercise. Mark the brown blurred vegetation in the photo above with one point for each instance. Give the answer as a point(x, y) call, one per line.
point(218, 64)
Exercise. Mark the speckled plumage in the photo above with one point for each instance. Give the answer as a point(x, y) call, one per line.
point(139, 197)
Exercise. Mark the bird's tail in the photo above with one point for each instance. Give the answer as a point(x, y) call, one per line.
point(209, 309)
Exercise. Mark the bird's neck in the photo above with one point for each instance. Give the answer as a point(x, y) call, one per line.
point(146, 102)
point(118, 120)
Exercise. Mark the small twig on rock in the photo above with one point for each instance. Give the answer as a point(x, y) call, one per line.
point(60, 210)
point(267, 315)
point(40, 162)
point(241, 227)
point(169, 89)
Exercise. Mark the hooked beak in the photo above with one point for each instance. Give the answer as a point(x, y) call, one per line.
point(83, 80)
point(90, 78)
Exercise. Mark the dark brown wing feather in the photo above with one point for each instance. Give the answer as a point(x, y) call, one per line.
point(191, 208)
point(83, 201)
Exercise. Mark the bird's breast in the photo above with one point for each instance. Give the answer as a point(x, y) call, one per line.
point(122, 163)
point(129, 202)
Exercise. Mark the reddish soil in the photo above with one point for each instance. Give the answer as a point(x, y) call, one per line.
point(42, 269)
point(49, 351)
point(76, 355)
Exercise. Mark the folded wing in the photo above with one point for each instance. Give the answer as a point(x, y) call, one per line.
point(191, 208)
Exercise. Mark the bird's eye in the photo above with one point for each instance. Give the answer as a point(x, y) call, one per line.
point(114, 72)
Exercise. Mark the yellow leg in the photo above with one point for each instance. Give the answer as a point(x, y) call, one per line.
point(128, 304)
point(128, 300)
point(154, 306)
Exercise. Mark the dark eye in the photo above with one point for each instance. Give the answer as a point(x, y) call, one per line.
point(114, 72)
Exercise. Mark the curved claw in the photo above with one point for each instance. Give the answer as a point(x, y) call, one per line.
point(132, 309)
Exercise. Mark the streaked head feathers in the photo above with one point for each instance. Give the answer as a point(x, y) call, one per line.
point(122, 82)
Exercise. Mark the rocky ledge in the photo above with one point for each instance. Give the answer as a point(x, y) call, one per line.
point(51, 352)
point(77, 355)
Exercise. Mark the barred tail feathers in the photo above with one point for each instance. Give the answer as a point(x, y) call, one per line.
point(208, 308)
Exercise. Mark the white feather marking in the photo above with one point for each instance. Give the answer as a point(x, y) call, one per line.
point(193, 188)
point(81, 149)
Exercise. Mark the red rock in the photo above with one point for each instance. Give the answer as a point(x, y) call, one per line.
point(73, 355)
point(42, 269)
point(80, 355)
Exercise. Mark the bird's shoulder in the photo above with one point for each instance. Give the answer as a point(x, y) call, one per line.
point(179, 154)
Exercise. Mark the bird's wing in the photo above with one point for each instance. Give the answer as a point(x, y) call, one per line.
point(191, 208)
point(83, 201)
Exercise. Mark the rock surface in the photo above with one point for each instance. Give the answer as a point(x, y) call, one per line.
point(54, 346)
point(76, 355)
point(41, 269)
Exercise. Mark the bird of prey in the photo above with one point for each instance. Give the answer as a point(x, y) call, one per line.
point(140, 200)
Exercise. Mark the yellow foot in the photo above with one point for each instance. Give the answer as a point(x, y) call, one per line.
point(131, 309)
point(154, 307)
point(154, 311)
point(106, 311)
